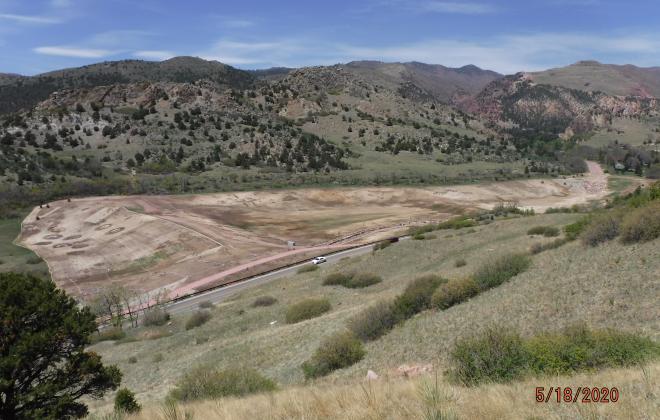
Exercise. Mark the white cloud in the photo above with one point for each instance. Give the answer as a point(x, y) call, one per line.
point(154, 55)
point(504, 53)
point(457, 7)
point(245, 53)
point(123, 38)
point(64, 51)
point(30, 19)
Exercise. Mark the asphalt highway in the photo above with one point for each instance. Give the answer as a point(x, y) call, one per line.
point(216, 295)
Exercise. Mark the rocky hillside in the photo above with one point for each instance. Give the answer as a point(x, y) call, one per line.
point(518, 102)
point(25, 92)
point(166, 126)
point(627, 80)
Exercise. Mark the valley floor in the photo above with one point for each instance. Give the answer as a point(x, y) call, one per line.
point(185, 242)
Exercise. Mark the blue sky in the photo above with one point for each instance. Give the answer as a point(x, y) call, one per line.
point(506, 36)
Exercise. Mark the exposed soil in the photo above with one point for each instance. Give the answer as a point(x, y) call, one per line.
point(195, 240)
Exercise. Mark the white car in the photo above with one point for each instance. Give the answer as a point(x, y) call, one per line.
point(319, 260)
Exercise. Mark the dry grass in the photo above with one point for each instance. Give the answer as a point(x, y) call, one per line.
point(613, 285)
point(433, 398)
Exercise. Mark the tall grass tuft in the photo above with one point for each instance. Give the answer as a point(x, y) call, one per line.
point(205, 382)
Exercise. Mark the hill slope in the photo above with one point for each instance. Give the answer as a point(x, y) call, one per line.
point(563, 286)
point(625, 80)
point(24, 92)
point(438, 82)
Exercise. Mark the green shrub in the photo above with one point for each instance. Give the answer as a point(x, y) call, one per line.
point(361, 280)
point(417, 296)
point(460, 263)
point(308, 268)
point(503, 209)
point(158, 357)
point(421, 230)
point(540, 247)
point(497, 271)
point(496, 355)
point(108, 334)
point(500, 356)
point(601, 228)
point(197, 318)
point(419, 237)
point(132, 360)
point(337, 279)
point(454, 292)
point(641, 225)
point(306, 309)
point(373, 322)
point(208, 383)
point(264, 301)
point(574, 230)
point(338, 351)
point(579, 348)
point(382, 245)
point(548, 231)
point(459, 222)
point(125, 402)
point(155, 317)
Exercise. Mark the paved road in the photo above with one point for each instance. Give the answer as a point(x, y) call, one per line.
point(217, 295)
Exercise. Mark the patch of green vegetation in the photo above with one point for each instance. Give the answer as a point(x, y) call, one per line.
point(307, 309)
point(453, 292)
point(335, 352)
point(498, 355)
point(205, 382)
point(548, 231)
point(497, 271)
point(352, 280)
point(14, 258)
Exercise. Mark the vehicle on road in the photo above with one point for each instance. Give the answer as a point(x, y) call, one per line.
point(319, 260)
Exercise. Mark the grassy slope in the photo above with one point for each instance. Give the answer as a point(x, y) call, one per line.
point(626, 130)
point(15, 258)
point(610, 286)
point(424, 398)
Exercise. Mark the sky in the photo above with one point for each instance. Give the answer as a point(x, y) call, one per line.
point(506, 36)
